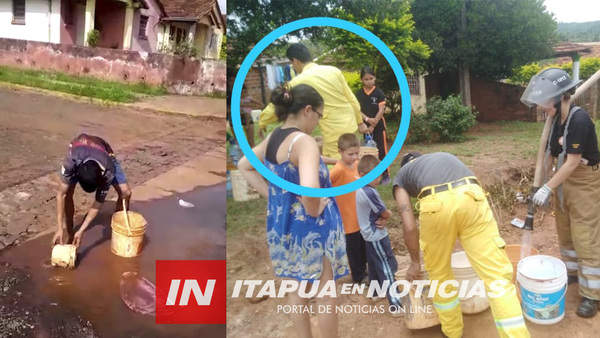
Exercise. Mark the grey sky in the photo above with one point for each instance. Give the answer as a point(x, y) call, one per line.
point(223, 6)
point(574, 10)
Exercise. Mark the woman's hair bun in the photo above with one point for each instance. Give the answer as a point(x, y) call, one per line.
point(290, 101)
point(282, 97)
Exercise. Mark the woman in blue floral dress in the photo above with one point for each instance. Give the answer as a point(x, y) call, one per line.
point(305, 234)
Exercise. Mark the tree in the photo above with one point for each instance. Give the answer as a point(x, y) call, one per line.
point(391, 21)
point(249, 21)
point(500, 35)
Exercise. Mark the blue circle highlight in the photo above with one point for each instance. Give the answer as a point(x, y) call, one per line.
point(237, 93)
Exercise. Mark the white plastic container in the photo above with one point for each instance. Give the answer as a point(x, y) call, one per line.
point(542, 282)
point(464, 272)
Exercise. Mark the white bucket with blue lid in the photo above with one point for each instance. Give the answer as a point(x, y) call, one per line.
point(542, 282)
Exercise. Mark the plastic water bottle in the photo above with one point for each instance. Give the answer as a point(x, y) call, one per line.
point(235, 151)
point(369, 142)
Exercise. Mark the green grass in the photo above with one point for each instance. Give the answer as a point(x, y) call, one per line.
point(242, 216)
point(81, 86)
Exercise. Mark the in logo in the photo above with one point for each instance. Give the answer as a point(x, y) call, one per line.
point(190, 292)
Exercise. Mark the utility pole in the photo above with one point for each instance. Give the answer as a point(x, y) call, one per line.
point(463, 66)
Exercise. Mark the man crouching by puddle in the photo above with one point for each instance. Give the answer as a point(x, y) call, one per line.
point(91, 163)
point(452, 204)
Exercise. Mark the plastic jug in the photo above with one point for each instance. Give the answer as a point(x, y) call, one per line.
point(369, 142)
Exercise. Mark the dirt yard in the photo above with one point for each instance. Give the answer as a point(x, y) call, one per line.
point(499, 166)
point(35, 131)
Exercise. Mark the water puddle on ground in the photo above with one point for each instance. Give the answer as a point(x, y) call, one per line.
point(92, 290)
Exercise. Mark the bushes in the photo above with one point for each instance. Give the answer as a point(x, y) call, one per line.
point(223, 52)
point(523, 74)
point(93, 38)
point(587, 68)
point(184, 49)
point(353, 80)
point(445, 121)
point(419, 129)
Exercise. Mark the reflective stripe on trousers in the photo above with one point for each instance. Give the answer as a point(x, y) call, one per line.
point(464, 212)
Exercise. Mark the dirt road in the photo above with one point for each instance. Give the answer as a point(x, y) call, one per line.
point(166, 157)
point(34, 133)
point(248, 259)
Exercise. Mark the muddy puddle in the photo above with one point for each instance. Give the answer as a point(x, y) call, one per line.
point(91, 291)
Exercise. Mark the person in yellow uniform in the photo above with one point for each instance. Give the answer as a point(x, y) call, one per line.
point(341, 114)
point(453, 204)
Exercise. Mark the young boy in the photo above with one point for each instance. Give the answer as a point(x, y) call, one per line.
point(345, 172)
point(372, 215)
point(91, 163)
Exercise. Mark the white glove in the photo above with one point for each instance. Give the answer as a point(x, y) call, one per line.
point(541, 196)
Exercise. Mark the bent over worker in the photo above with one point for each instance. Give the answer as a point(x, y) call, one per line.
point(341, 113)
point(453, 204)
point(576, 182)
point(91, 163)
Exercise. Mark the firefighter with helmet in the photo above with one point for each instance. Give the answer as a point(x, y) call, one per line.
point(576, 183)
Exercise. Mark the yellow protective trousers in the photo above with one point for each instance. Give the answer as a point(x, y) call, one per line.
point(331, 131)
point(464, 212)
point(578, 228)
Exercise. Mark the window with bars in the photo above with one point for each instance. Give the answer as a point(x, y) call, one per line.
point(413, 85)
point(143, 26)
point(177, 34)
point(18, 8)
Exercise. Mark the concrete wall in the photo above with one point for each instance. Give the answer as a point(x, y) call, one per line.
point(418, 98)
point(39, 25)
point(200, 37)
point(197, 77)
point(186, 77)
point(150, 44)
point(212, 44)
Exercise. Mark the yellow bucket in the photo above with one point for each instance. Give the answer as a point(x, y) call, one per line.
point(127, 242)
point(64, 255)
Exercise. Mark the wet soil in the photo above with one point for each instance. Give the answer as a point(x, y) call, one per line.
point(35, 130)
point(37, 300)
point(248, 258)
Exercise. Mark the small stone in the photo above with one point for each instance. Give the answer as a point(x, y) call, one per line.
point(5, 288)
